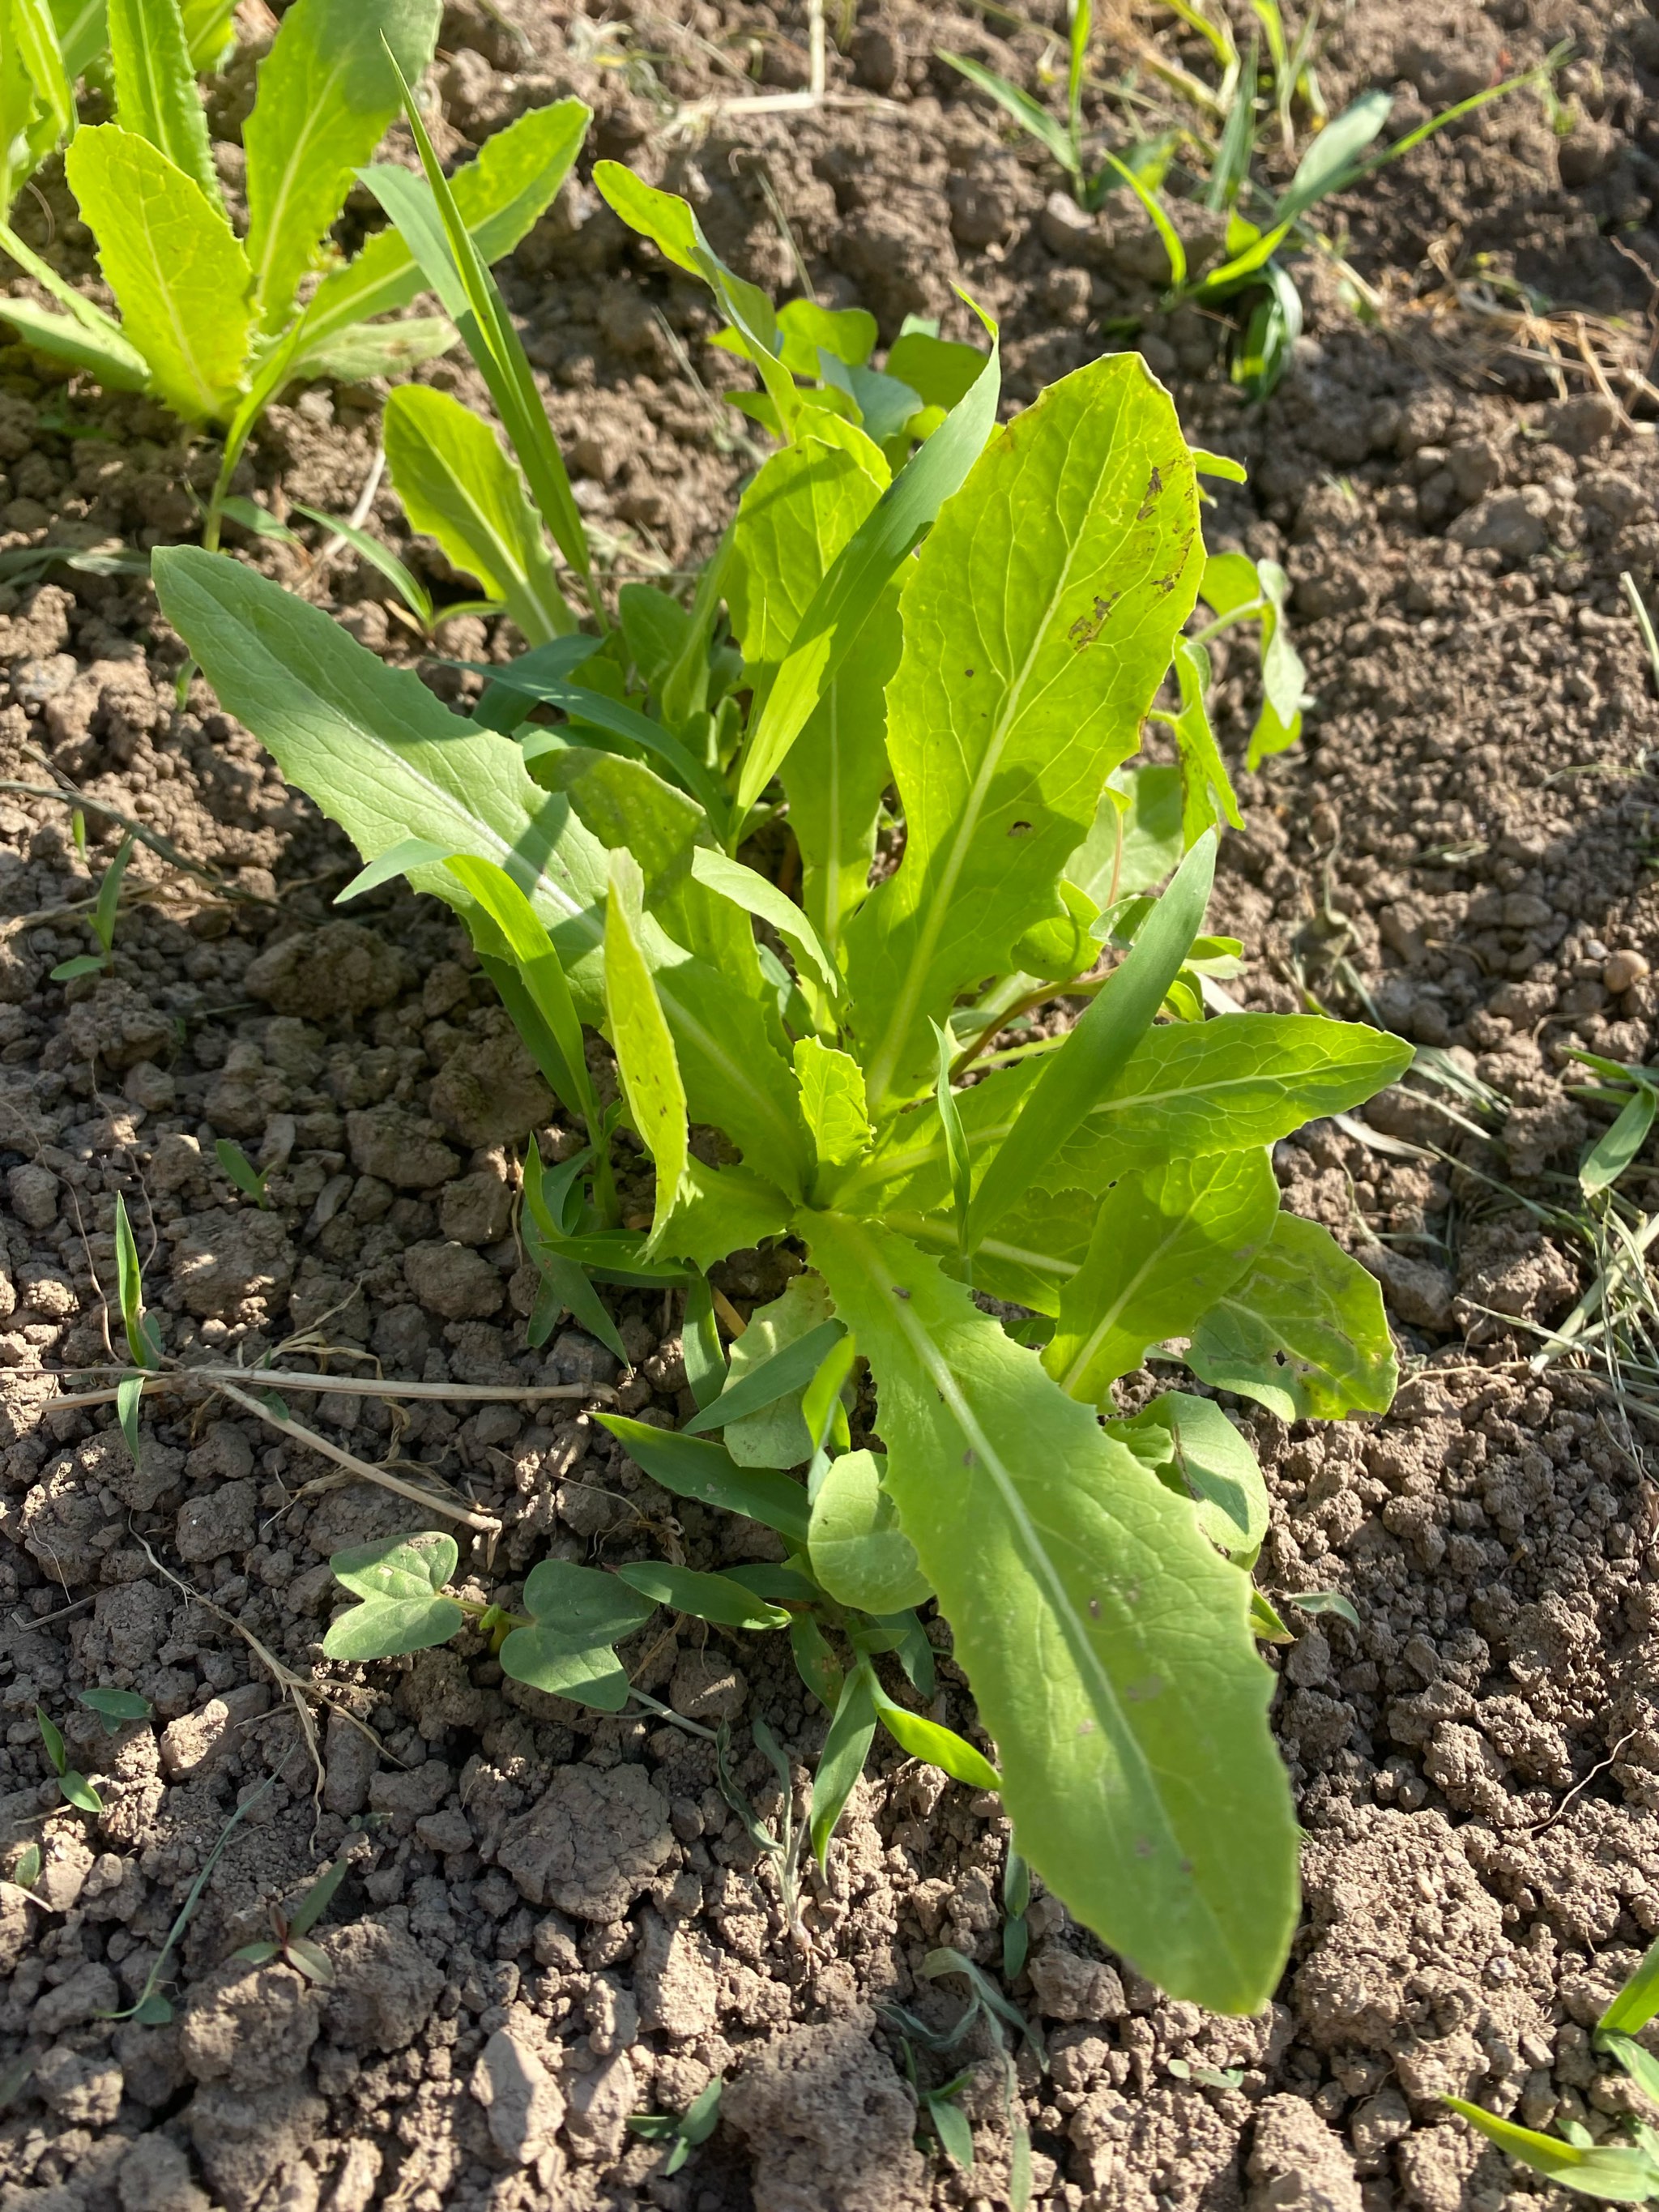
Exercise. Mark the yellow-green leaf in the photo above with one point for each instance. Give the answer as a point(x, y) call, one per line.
point(175, 266)
point(644, 1047)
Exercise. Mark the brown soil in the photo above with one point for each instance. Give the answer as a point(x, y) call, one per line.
point(554, 1919)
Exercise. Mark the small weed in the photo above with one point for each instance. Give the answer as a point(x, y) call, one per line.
point(240, 1170)
point(290, 1933)
point(104, 912)
point(1626, 2172)
point(116, 1709)
point(73, 1787)
point(682, 2134)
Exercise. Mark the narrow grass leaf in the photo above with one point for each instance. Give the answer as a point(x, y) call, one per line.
point(691, 1469)
point(1637, 2003)
point(709, 1597)
point(408, 586)
point(499, 197)
point(1046, 129)
point(129, 1392)
point(1613, 1152)
point(1323, 168)
point(846, 1747)
point(1622, 2176)
point(788, 1371)
point(644, 1045)
point(939, 1745)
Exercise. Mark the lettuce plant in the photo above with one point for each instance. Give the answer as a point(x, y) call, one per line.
point(212, 323)
point(802, 852)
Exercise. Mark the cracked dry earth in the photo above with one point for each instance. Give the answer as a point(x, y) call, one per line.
point(553, 1919)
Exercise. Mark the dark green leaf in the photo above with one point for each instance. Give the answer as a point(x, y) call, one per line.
point(691, 1469)
point(115, 1708)
point(709, 1597)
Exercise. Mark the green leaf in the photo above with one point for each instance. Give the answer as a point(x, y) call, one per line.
point(1616, 1149)
point(710, 1597)
point(109, 895)
point(458, 485)
point(155, 93)
point(1641, 2065)
point(670, 224)
point(380, 755)
point(776, 1435)
point(1189, 1088)
point(436, 233)
point(849, 334)
point(317, 1898)
point(1637, 2003)
point(954, 2131)
point(1044, 686)
point(327, 90)
point(371, 349)
point(1325, 1601)
point(756, 895)
point(52, 1737)
point(1047, 129)
point(1194, 1448)
point(940, 371)
point(240, 1169)
point(567, 1289)
point(785, 1373)
point(940, 1747)
point(107, 356)
point(115, 1708)
point(175, 266)
point(801, 509)
point(408, 586)
point(1609, 2169)
point(700, 1340)
point(721, 1211)
point(130, 1290)
point(1284, 679)
point(832, 1098)
point(1323, 168)
point(83, 963)
point(1207, 793)
point(846, 1747)
point(1305, 1333)
point(397, 1566)
point(838, 770)
point(1101, 1047)
point(859, 1552)
point(541, 972)
point(578, 1614)
point(690, 1468)
point(595, 710)
point(856, 582)
point(639, 1031)
point(208, 28)
point(385, 1628)
point(1142, 1780)
point(1168, 237)
point(80, 1793)
point(1166, 1243)
point(499, 195)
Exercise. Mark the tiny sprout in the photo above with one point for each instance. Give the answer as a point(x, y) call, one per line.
point(290, 1933)
point(684, 2133)
point(74, 1788)
point(240, 1170)
point(103, 917)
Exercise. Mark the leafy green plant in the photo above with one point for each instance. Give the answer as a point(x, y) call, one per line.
point(1001, 2019)
point(212, 323)
point(1207, 146)
point(73, 1787)
point(116, 1709)
point(682, 861)
point(290, 1932)
point(235, 1164)
point(1618, 2172)
point(684, 2132)
point(105, 909)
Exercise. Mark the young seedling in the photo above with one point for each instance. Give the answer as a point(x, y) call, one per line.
point(116, 1709)
point(682, 2134)
point(290, 1933)
point(975, 632)
point(104, 913)
point(212, 323)
point(235, 1164)
point(1619, 2173)
point(143, 1343)
point(1001, 2018)
point(1264, 226)
point(73, 1787)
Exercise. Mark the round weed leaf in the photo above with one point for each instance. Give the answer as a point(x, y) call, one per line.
point(398, 1567)
point(544, 1662)
point(577, 1609)
point(383, 1628)
point(859, 1552)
